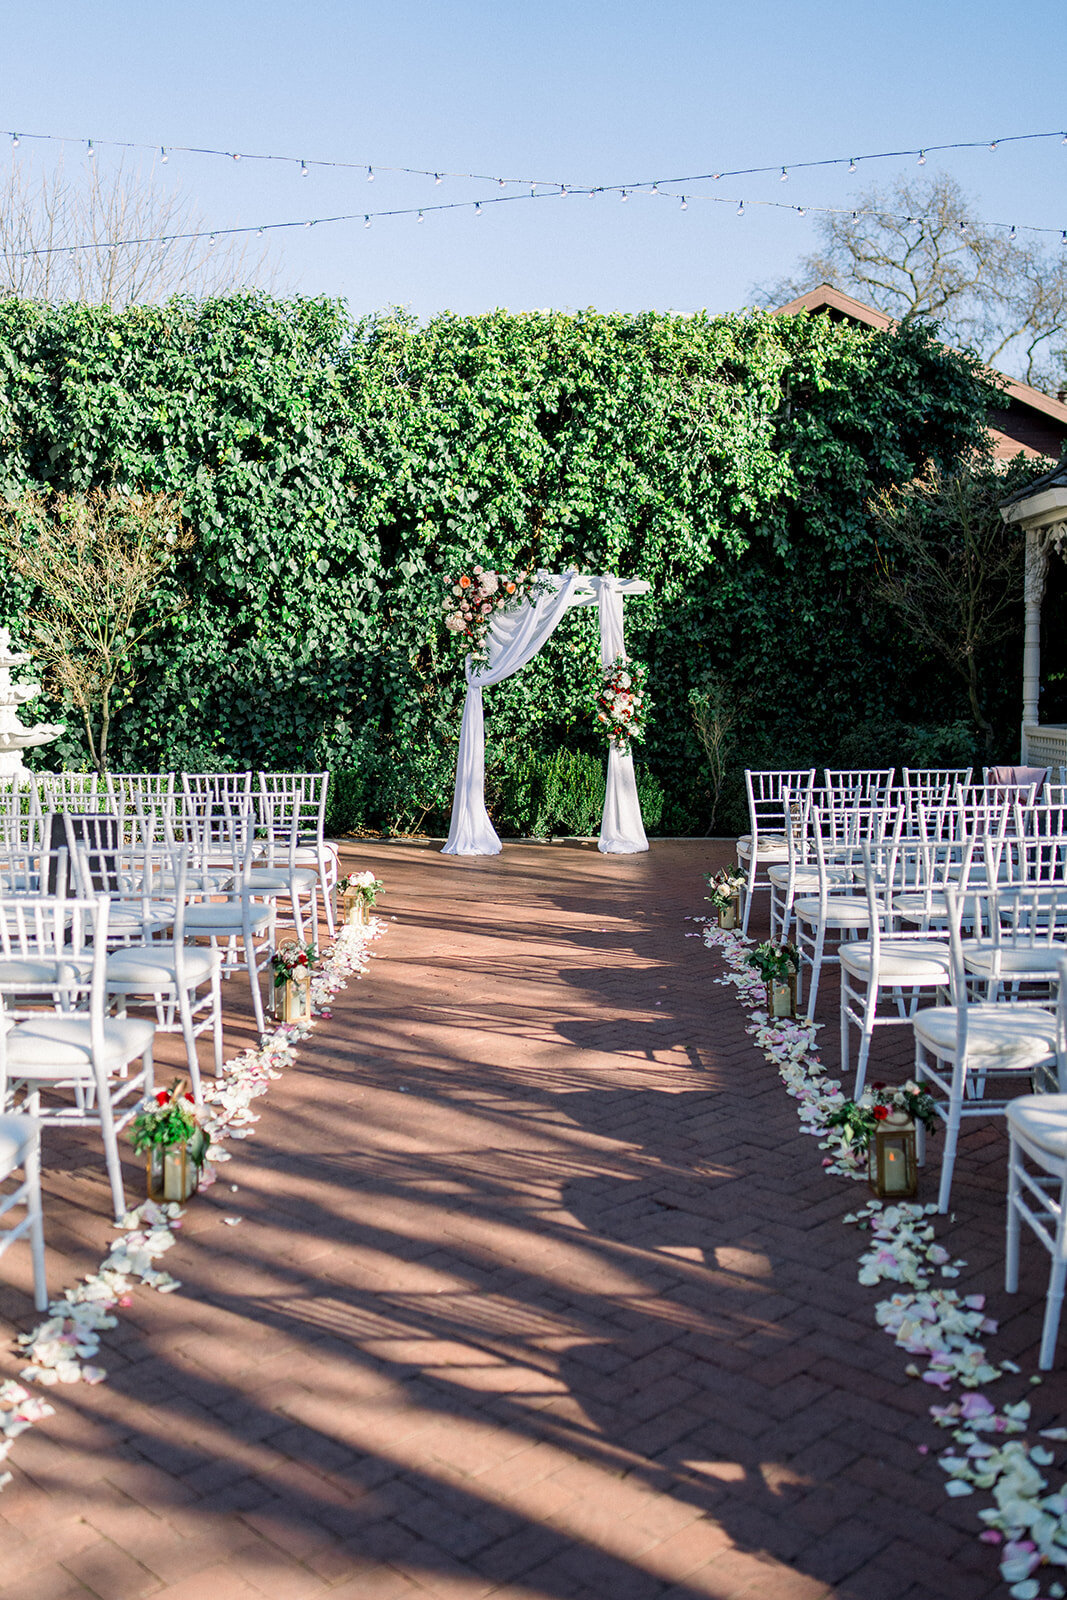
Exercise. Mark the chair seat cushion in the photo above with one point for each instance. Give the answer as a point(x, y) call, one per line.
point(983, 959)
point(221, 917)
point(145, 969)
point(771, 847)
point(804, 879)
point(281, 878)
point(40, 972)
point(919, 905)
point(58, 1046)
point(999, 1037)
point(1041, 1118)
point(904, 961)
point(842, 911)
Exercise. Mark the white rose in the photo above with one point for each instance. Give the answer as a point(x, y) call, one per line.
point(490, 583)
point(624, 680)
point(455, 623)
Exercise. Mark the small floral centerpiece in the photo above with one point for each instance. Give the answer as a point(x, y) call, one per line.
point(359, 891)
point(859, 1119)
point(474, 598)
point(726, 886)
point(778, 965)
point(167, 1132)
point(292, 975)
point(621, 703)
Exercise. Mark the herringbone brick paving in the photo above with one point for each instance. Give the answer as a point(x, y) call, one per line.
point(537, 1293)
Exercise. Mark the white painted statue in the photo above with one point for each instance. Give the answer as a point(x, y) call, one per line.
point(14, 737)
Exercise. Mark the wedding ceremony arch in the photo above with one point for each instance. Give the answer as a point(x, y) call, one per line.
point(515, 637)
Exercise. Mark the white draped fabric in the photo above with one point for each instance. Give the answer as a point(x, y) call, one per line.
point(622, 832)
point(514, 638)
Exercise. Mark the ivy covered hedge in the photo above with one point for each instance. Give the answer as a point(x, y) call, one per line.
point(333, 469)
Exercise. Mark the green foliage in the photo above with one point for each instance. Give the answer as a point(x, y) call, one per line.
point(332, 470)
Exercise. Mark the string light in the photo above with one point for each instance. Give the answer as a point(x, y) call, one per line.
point(163, 156)
point(788, 168)
point(785, 176)
point(623, 196)
point(15, 141)
point(237, 155)
point(90, 152)
point(420, 217)
point(506, 199)
point(655, 188)
point(304, 169)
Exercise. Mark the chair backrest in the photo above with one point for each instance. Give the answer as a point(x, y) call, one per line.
point(859, 786)
point(936, 779)
point(990, 808)
point(71, 791)
point(94, 842)
point(20, 809)
point(218, 786)
point(1016, 777)
point(294, 800)
point(766, 789)
point(27, 869)
point(71, 935)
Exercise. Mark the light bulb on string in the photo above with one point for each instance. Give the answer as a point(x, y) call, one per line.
point(237, 155)
point(563, 188)
point(993, 144)
point(90, 152)
point(502, 183)
point(211, 240)
point(784, 176)
point(802, 211)
point(716, 176)
point(163, 156)
point(437, 177)
point(852, 164)
point(1011, 235)
point(740, 208)
point(259, 233)
point(370, 174)
point(420, 217)
point(478, 209)
point(366, 222)
point(685, 204)
point(303, 169)
point(624, 195)
point(655, 188)
point(922, 159)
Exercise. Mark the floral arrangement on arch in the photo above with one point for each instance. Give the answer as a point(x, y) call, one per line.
point(621, 703)
point(473, 600)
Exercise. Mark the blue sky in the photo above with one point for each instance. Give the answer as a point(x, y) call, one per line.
point(590, 93)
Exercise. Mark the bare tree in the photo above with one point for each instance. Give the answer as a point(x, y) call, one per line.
point(111, 235)
point(920, 249)
point(98, 563)
point(951, 571)
point(715, 708)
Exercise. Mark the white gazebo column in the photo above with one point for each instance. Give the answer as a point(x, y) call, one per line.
point(1035, 574)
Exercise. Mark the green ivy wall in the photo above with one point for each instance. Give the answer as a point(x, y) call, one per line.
point(333, 469)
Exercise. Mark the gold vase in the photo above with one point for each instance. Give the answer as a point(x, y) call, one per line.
point(171, 1172)
point(354, 908)
point(728, 914)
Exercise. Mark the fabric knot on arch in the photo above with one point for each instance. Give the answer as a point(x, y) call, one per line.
point(515, 637)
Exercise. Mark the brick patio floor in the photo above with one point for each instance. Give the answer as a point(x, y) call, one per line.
point(537, 1293)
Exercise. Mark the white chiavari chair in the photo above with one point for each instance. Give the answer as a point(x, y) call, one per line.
point(73, 1048)
point(765, 843)
point(969, 1046)
point(836, 910)
point(299, 798)
point(20, 1150)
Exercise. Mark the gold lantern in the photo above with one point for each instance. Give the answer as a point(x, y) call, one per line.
point(782, 997)
point(296, 998)
point(892, 1167)
point(171, 1172)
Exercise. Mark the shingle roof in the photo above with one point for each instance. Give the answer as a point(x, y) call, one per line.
point(1056, 479)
